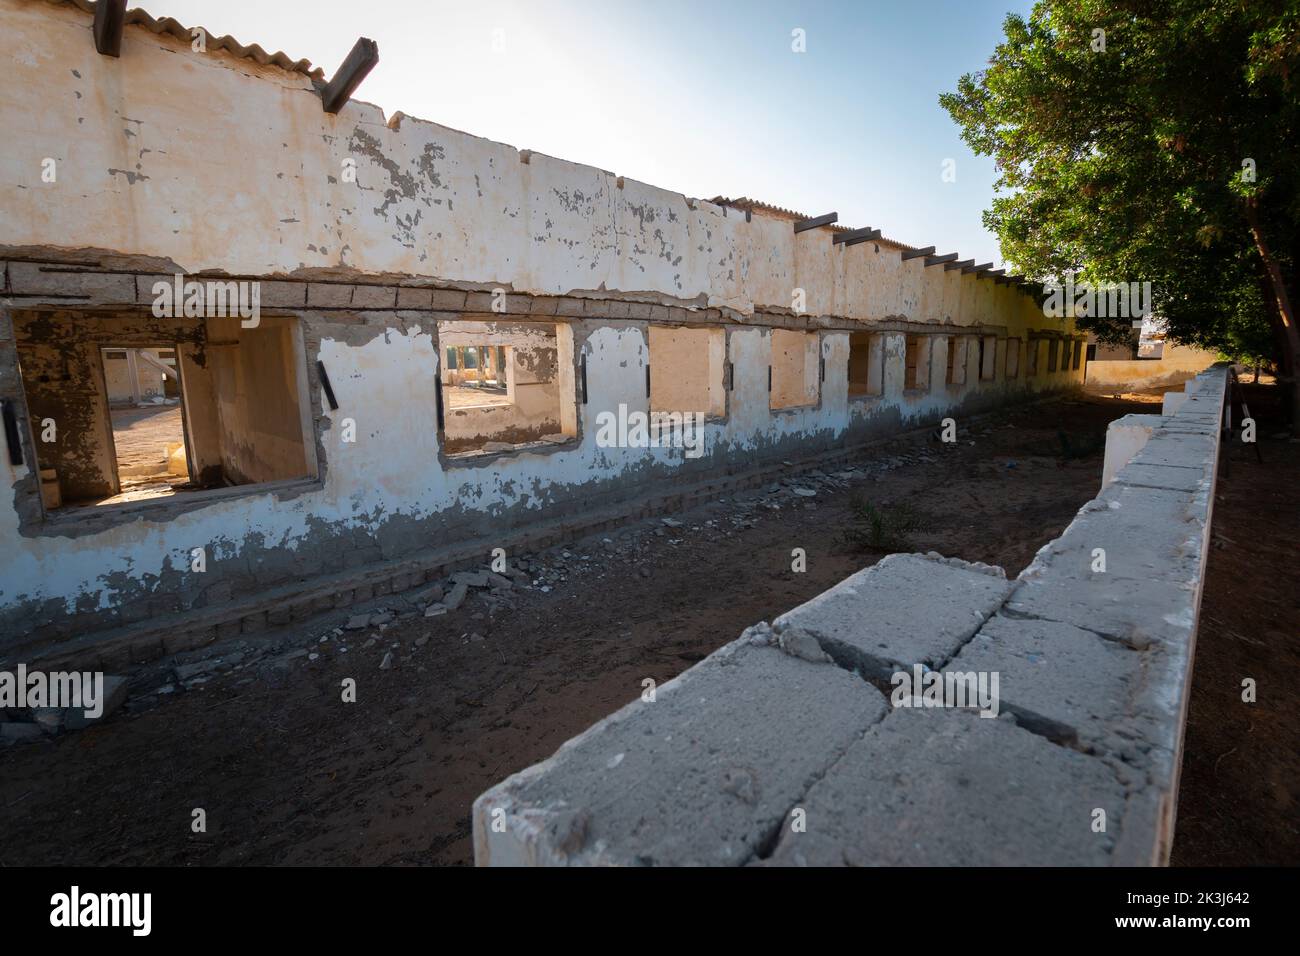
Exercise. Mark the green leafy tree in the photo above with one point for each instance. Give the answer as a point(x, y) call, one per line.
point(1152, 140)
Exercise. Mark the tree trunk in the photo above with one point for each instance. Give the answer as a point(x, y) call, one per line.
point(1288, 333)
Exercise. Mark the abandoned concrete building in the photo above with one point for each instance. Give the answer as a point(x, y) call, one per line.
point(386, 345)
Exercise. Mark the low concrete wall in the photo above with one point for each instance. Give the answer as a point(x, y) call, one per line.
point(782, 748)
point(1177, 364)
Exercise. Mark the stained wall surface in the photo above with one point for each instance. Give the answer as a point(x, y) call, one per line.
point(371, 234)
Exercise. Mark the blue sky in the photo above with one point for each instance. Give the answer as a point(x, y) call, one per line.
point(702, 97)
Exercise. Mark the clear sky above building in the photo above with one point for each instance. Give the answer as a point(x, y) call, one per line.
point(706, 98)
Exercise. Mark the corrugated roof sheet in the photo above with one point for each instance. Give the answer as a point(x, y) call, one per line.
point(228, 43)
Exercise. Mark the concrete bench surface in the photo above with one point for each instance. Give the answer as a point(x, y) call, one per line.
point(782, 747)
point(704, 774)
point(906, 609)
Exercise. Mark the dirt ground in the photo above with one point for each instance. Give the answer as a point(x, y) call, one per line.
point(288, 773)
point(1239, 802)
point(141, 436)
point(469, 396)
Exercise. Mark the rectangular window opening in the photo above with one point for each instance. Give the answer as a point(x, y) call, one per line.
point(129, 408)
point(955, 373)
point(506, 386)
point(688, 372)
point(796, 366)
point(866, 364)
point(916, 363)
point(1013, 358)
point(988, 358)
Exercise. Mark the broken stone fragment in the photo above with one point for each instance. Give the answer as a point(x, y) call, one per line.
point(799, 643)
point(387, 663)
point(12, 732)
point(188, 672)
point(473, 579)
point(49, 719)
point(427, 595)
point(456, 597)
point(114, 695)
point(357, 622)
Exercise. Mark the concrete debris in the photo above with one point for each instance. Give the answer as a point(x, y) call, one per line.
point(457, 596)
point(114, 695)
point(13, 732)
point(799, 643)
point(198, 669)
point(426, 596)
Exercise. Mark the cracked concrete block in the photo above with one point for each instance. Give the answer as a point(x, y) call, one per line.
point(1184, 449)
point(410, 297)
point(374, 297)
point(282, 295)
point(906, 609)
point(452, 299)
point(42, 279)
point(1133, 610)
point(705, 774)
point(329, 295)
point(950, 788)
point(1143, 532)
point(1164, 476)
point(1075, 687)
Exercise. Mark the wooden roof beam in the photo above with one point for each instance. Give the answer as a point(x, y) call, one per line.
point(110, 17)
point(803, 225)
point(855, 235)
point(937, 260)
point(359, 62)
point(866, 236)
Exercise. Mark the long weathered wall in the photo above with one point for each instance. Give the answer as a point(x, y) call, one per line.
point(1176, 365)
point(168, 160)
point(213, 162)
point(782, 749)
